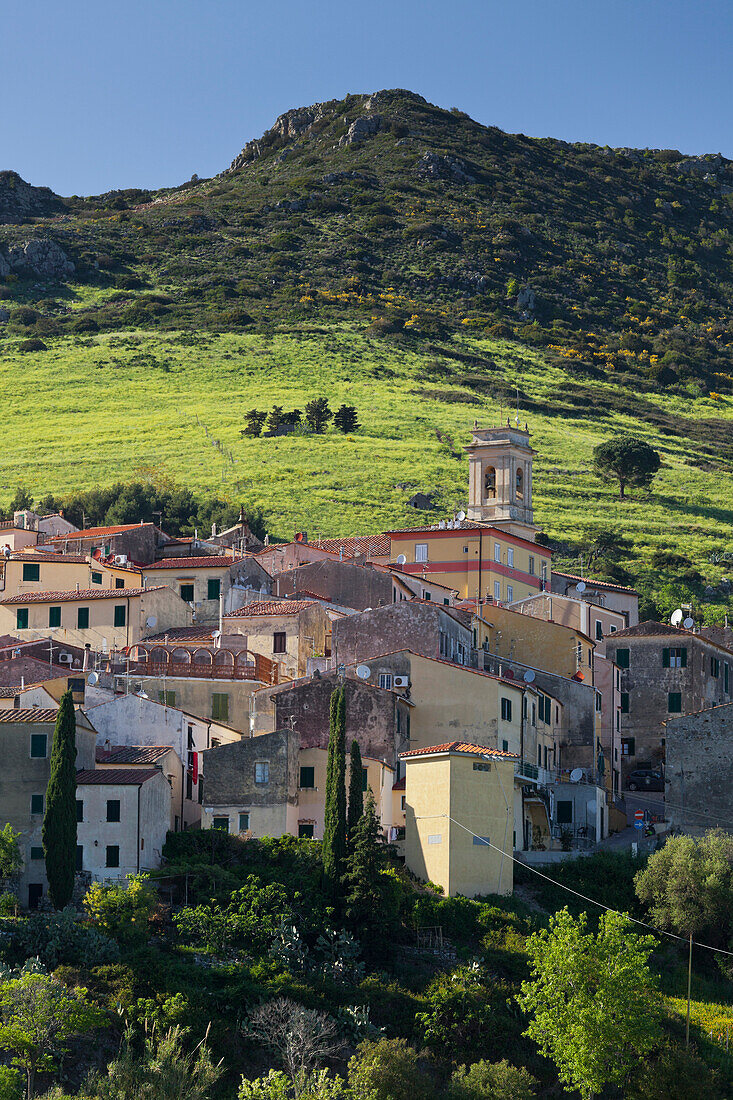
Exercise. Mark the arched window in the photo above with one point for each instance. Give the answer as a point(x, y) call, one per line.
point(490, 482)
point(520, 482)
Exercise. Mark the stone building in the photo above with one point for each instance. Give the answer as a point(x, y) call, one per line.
point(339, 582)
point(665, 671)
point(427, 628)
point(286, 631)
point(252, 786)
point(699, 772)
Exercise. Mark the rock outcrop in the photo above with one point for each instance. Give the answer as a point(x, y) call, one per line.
point(19, 201)
point(44, 259)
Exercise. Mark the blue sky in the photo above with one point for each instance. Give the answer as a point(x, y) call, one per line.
point(143, 94)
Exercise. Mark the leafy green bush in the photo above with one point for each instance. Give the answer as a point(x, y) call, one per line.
point(122, 911)
point(487, 1081)
point(59, 939)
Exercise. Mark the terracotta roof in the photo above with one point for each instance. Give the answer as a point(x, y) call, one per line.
point(115, 777)
point(461, 747)
point(355, 544)
point(32, 670)
point(212, 562)
point(202, 633)
point(36, 714)
point(650, 629)
point(131, 754)
point(594, 583)
point(270, 607)
point(98, 532)
point(50, 555)
point(9, 692)
point(84, 594)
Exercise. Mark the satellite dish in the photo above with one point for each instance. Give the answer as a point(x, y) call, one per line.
point(461, 516)
point(581, 586)
point(216, 634)
point(363, 672)
point(529, 676)
point(688, 623)
point(676, 617)
point(151, 621)
point(576, 775)
point(92, 678)
point(401, 559)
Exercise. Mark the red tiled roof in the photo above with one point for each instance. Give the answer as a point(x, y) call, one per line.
point(35, 714)
point(212, 562)
point(461, 747)
point(649, 629)
point(10, 691)
point(115, 777)
point(85, 594)
point(470, 525)
point(50, 555)
point(131, 754)
point(202, 633)
point(270, 607)
point(594, 583)
point(355, 544)
point(98, 532)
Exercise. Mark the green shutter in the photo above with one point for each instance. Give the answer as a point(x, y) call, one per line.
point(213, 588)
point(665, 658)
point(120, 616)
point(21, 618)
point(683, 652)
point(54, 616)
point(82, 618)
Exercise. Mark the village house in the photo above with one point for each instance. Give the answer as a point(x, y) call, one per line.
point(665, 671)
point(123, 816)
point(614, 597)
point(427, 628)
point(209, 584)
point(40, 570)
point(288, 632)
point(26, 737)
point(589, 619)
point(129, 543)
point(184, 811)
point(102, 619)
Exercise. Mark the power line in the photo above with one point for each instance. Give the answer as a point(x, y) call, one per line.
point(677, 806)
point(562, 886)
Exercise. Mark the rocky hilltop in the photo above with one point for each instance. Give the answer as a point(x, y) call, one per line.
point(19, 201)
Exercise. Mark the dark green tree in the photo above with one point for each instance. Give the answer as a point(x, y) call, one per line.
point(275, 418)
point(345, 419)
point(21, 501)
point(292, 416)
point(356, 790)
point(318, 414)
point(628, 459)
point(367, 907)
point(255, 421)
point(333, 848)
point(59, 823)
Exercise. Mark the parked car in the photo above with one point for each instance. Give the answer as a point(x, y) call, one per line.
point(644, 779)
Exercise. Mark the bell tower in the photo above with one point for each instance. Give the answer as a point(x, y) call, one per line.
point(500, 479)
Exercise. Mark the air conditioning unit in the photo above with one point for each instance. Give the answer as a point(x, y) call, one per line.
point(120, 559)
point(66, 658)
point(401, 681)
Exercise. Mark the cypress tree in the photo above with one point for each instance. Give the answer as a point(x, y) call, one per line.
point(356, 793)
point(368, 909)
point(333, 848)
point(59, 822)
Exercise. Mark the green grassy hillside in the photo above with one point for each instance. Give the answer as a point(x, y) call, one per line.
point(425, 272)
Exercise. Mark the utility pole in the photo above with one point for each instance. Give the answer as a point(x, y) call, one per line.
point(689, 984)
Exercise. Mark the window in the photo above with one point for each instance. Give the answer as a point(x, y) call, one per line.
point(497, 591)
point(482, 841)
point(564, 811)
point(520, 482)
point(31, 571)
point(82, 618)
point(262, 771)
point(167, 698)
point(187, 593)
point(75, 684)
point(113, 855)
point(54, 616)
point(244, 823)
point(531, 565)
point(96, 578)
point(676, 657)
point(506, 709)
point(534, 715)
point(509, 593)
point(119, 582)
point(726, 678)
point(36, 803)
point(427, 595)
point(505, 746)
point(599, 702)
point(79, 857)
point(628, 746)
point(35, 894)
point(120, 616)
point(21, 618)
point(38, 745)
point(79, 809)
point(539, 756)
point(220, 706)
point(497, 551)
point(510, 556)
point(278, 642)
point(364, 779)
point(113, 809)
point(421, 551)
point(221, 823)
point(385, 680)
point(613, 629)
point(714, 667)
point(446, 601)
point(36, 852)
point(305, 831)
point(308, 778)
point(674, 702)
point(213, 588)
point(599, 630)
point(622, 658)
point(624, 702)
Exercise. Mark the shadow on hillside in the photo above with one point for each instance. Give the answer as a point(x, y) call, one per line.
point(705, 511)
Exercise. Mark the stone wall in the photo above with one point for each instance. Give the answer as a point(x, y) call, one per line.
point(412, 624)
point(229, 771)
point(339, 582)
point(699, 771)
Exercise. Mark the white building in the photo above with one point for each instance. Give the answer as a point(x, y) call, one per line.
point(123, 816)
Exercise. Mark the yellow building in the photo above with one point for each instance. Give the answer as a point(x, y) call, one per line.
point(377, 776)
point(535, 642)
point(460, 807)
point(34, 570)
